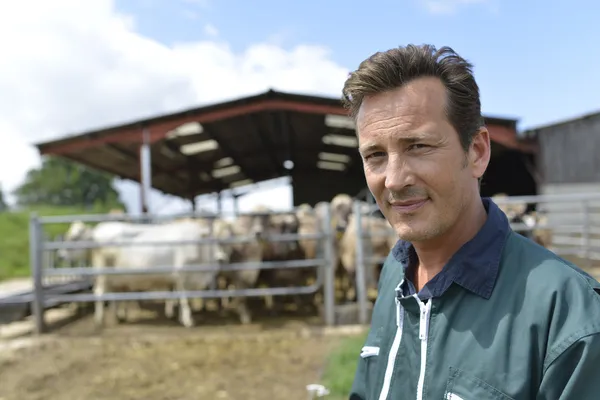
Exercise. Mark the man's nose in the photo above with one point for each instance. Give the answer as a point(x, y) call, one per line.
point(398, 174)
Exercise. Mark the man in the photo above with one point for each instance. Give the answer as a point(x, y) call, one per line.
point(467, 309)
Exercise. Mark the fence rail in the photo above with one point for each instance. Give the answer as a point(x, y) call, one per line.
point(573, 220)
point(40, 245)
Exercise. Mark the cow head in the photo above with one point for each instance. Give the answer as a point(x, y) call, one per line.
point(222, 230)
point(341, 209)
point(514, 212)
point(259, 227)
point(288, 224)
point(78, 231)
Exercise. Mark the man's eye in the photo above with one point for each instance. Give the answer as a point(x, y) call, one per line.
point(376, 154)
point(417, 146)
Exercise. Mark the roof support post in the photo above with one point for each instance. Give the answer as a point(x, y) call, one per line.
point(145, 171)
point(219, 204)
point(236, 209)
point(289, 142)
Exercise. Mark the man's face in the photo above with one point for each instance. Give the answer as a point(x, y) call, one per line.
point(415, 166)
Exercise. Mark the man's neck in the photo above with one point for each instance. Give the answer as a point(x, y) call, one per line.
point(436, 253)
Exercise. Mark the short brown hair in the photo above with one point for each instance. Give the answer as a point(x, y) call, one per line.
point(393, 68)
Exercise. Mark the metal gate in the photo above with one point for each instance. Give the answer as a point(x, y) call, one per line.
point(42, 296)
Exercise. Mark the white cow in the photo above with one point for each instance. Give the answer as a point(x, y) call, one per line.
point(101, 233)
point(252, 227)
point(145, 257)
point(378, 242)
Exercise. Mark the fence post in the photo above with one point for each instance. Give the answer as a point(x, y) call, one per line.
point(36, 265)
point(586, 234)
point(361, 289)
point(328, 270)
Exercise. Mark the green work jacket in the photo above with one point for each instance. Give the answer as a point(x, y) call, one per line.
point(505, 319)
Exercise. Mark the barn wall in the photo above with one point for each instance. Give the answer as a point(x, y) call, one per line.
point(323, 187)
point(508, 173)
point(570, 188)
point(569, 151)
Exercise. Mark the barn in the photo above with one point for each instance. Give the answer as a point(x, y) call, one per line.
point(568, 163)
point(568, 158)
point(221, 147)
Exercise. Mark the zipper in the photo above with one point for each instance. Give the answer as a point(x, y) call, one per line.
point(389, 370)
point(425, 309)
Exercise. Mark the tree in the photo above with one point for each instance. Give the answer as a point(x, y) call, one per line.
point(3, 205)
point(61, 182)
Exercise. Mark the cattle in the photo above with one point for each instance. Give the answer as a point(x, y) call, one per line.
point(540, 233)
point(257, 227)
point(101, 233)
point(142, 256)
point(306, 221)
point(341, 211)
point(341, 208)
point(280, 250)
point(515, 212)
point(254, 228)
point(377, 242)
point(311, 221)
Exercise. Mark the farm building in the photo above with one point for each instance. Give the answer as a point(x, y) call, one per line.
point(568, 161)
point(232, 144)
point(569, 164)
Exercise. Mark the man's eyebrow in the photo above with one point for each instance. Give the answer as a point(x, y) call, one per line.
point(368, 147)
point(408, 139)
point(416, 137)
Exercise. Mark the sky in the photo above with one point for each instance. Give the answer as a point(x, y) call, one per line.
point(70, 65)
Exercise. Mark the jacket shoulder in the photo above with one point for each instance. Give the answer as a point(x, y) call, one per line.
point(562, 297)
point(544, 269)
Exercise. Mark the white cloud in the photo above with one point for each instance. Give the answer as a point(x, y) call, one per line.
point(210, 30)
point(450, 6)
point(72, 65)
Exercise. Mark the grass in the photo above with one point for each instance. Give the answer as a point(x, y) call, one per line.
point(341, 367)
point(14, 236)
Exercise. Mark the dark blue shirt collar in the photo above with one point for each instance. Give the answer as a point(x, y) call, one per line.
point(474, 266)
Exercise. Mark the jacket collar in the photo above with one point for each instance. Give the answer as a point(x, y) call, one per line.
point(474, 266)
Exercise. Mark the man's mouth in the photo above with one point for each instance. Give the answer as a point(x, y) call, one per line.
point(408, 205)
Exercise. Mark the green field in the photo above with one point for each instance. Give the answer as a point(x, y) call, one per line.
point(341, 366)
point(14, 237)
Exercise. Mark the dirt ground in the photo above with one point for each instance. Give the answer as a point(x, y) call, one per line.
point(159, 360)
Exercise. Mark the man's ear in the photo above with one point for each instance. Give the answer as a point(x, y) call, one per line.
point(480, 152)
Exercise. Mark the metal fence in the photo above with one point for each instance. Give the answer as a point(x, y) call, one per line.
point(572, 220)
point(43, 269)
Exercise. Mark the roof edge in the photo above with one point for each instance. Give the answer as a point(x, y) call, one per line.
point(139, 123)
point(262, 96)
point(560, 122)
